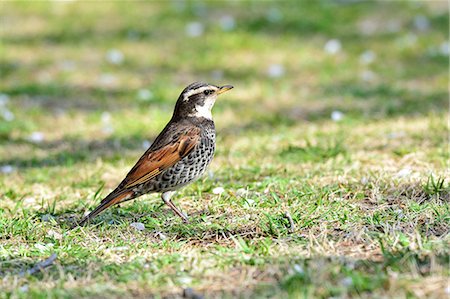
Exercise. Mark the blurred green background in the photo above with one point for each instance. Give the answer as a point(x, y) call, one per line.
point(338, 115)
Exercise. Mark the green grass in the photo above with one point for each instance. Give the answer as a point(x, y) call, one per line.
point(368, 195)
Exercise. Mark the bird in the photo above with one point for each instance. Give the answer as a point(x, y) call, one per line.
point(179, 155)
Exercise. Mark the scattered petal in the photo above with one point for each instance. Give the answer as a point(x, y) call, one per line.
point(194, 29)
point(364, 180)
point(298, 269)
point(347, 281)
point(396, 135)
point(4, 99)
point(217, 75)
point(146, 144)
point(36, 137)
point(367, 57)
point(368, 76)
point(275, 70)
point(114, 56)
point(144, 95)
point(227, 23)
point(47, 217)
point(185, 280)
point(24, 288)
point(42, 247)
point(7, 115)
point(218, 190)
point(337, 115)
point(421, 23)
point(119, 248)
point(161, 235)
point(445, 48)
point(404, 172)
point(333, 46)
point(106, 117)
point(29, 200)
point(241, 192)
point(67, 65)
point(107, 80)
point(138, 225)
point(54, 234)
point(6, 168)
point(274, 15)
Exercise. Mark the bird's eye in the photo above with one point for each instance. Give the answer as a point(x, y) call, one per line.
point(207, 92)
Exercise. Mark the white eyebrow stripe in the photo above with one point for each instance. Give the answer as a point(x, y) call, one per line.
point(195, 91)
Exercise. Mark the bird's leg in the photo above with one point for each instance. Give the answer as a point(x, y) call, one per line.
point(166, 198)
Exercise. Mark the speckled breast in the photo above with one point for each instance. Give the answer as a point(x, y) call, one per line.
point(190, 167)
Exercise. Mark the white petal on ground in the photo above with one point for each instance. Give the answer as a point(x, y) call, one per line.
point(367, 57)
point(144, 94)
point(106, 117)
point(218, 190)
point(368, 76)
point(333, 46)
point(421, 23)
point(274, 15)
point(107, 80)
point(114, 56)
point(194, 29)
point(4, 99)
point(445, 48)
point(275, 71)
point(6, 168)
point(6, 114)
point(404, 172)
point(337, 115)
point(227, 23)
point(36, 137)
point(146, 144)
point(138, 225)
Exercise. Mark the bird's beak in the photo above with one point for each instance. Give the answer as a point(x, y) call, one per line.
point(224, 88)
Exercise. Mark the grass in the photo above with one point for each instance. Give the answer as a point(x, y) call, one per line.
point(368, 192)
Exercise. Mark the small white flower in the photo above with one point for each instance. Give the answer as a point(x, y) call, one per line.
point(138, 226)
point(114, 56)
point(218, 190)
point(274, 15)
point(119, 248)
point(146, 144)
point(107, 80)
point(194, 29)
point(367, 57)
point(6, 169)
point(368, 76)
point(36, 137)
point(333, 46)
point(241, 192)
point(54, 234)
point(275, 70)
point(227, 23)
point(421, 23)
point(404, 172)
point(106, 117)
point(347, 281)
point(337, 115)
point(445, 48)
point(144, 94)
point(298, 269)
point(4, 99)
point(7, 115)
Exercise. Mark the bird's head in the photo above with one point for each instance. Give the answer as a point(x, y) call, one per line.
point(197, 100)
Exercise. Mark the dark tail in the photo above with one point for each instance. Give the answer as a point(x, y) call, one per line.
point(112, 199)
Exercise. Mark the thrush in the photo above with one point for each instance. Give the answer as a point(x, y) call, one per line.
point(178, 156)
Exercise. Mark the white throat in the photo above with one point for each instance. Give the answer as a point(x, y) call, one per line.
point(202, 111)
point(205, 110)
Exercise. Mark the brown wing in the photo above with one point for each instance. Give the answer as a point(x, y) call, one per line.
point(152, 163)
